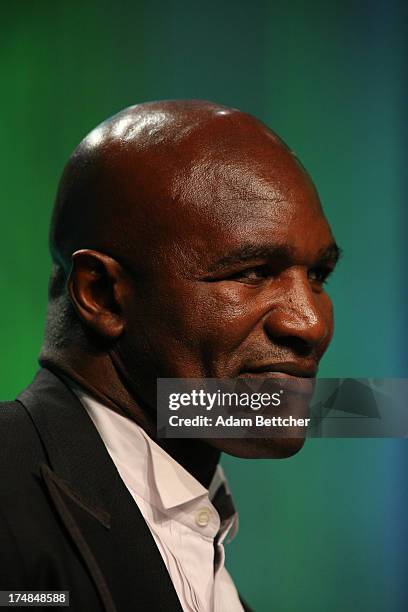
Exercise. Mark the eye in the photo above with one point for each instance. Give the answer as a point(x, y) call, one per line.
point(319, 275)
point(251, 275)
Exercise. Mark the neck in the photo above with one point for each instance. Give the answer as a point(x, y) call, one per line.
point(98, 376)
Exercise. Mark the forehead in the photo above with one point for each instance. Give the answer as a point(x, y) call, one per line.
point(225, 207)
point(215, 193)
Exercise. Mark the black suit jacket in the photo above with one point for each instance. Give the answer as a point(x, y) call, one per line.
point(67, 521)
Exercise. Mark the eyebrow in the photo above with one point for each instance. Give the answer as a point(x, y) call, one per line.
point(329, 254)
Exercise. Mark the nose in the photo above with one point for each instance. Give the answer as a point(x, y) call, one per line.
point(302, 318)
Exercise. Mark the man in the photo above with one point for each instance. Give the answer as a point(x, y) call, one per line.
point(187, 241)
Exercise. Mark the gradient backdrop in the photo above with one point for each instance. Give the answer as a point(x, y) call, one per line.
point(327, 529)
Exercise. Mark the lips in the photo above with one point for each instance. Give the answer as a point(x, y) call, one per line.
point(291, 377)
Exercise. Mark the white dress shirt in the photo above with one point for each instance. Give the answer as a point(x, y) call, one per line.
point(185, 524)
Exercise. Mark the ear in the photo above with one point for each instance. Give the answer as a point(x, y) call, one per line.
point(98, 287)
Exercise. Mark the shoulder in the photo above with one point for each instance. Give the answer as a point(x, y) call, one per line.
point(25, 516)
point(11, 413)
point(21, 454)
point(19, 441)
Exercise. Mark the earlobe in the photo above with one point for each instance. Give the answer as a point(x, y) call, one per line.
point(95, 287)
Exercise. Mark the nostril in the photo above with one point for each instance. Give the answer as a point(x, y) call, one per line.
point(298, 345)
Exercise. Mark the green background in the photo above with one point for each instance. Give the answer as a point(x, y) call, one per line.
point(325, 530)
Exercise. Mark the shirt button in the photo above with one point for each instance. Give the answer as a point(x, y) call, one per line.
point(202, 517)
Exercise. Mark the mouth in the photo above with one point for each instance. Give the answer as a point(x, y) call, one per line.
point(289, 376)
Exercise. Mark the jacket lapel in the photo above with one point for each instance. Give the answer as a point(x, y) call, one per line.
point(93, 503)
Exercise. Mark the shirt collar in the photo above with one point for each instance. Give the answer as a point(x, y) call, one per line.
point(173, 486)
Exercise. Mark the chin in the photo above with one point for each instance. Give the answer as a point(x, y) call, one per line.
point(259, 448)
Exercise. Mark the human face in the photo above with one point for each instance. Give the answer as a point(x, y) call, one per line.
point(236, 285)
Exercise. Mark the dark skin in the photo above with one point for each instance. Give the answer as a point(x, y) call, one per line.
point(194, 245)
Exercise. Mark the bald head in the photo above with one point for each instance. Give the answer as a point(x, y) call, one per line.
point(135, 173)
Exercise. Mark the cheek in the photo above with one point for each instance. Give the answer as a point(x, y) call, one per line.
point(217, 315)
point(190, 324)
point(224, 310)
